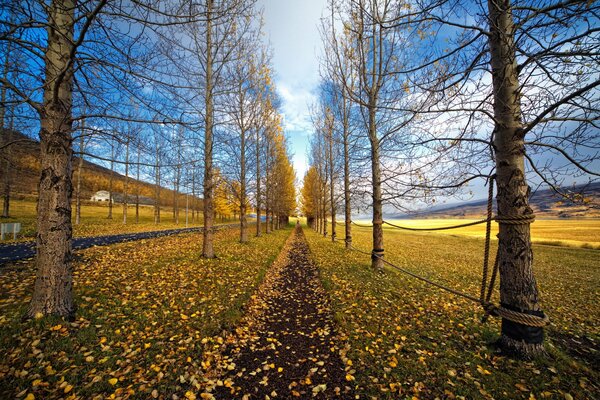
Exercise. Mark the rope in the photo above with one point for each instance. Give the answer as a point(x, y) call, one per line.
point(486, 290)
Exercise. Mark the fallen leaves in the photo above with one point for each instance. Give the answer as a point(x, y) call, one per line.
point(147, 314)
point(408, 338)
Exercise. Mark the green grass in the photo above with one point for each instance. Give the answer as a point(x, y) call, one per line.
point(151, 314)
point(408, 339)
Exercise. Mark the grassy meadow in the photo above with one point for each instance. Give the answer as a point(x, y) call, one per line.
point(556, 232)
point(151, 317)
point(406, 339)
point(94, 220)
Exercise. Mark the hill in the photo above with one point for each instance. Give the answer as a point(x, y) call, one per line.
point(546, 203)
point(25, 175)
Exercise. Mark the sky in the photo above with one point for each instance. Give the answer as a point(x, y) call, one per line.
point(291, 28)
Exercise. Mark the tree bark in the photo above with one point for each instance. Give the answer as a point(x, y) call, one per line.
point(7, 136)
point(79, 168)
point(347, 209)
point(137, 187)
point(518, 288)
point(258, 232)
point(110, 182)
point(243, 220)
point(157, 187)
point(377, 252)
point(331, 180)
point(207, 232)
point(53, 288)
point(126, 185)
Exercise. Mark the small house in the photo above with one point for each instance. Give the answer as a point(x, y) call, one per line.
point(101, 195)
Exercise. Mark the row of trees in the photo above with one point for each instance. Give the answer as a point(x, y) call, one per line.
point(420, 99)
point(174, 91)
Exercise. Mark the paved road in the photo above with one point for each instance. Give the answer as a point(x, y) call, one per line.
point(24, 250)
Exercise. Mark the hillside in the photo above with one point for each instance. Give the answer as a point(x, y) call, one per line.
point(546, 203)
point(25, 175)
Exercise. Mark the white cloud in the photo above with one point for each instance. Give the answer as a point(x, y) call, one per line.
point(295, 108)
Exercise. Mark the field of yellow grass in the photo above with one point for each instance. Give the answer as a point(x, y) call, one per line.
point(94, 220)
point(407, 338)
point(557, 232)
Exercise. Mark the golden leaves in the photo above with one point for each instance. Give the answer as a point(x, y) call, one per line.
point(129, 335)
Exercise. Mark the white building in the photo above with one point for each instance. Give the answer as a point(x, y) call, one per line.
point(101, 195)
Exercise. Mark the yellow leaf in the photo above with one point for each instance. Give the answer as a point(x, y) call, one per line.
point(184, 317)
point(349, 377)
point(30, 396)
point(68, 388)
point(113, 381)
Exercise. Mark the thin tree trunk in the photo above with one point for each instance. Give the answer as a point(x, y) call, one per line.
point(347, 209)
point(53, 288)
point(126, 185)
point(518, 288)
point(258, 232)
point(331, 180)
point(157, 188)
point(243, 220)
point(267, 195)
point(377, 252)
point(110, 182)
point(137, 187)
point(207, 232)
point(79, 169)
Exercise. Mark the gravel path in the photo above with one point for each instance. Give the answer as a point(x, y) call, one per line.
point(286, 347)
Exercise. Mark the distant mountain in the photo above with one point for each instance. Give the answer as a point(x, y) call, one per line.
point(546, 203)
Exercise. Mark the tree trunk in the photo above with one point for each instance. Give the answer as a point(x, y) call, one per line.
point(137, 187)
point(347, 209)
point(110, 182)
point(518, 288)
point(126, 185)
point(331, 180)
point(79, 168)
point(157, 188)
point(207, 232)
point(267, 197)
point(53, 288)
point(243, 220)
point(7, 136)
point(377, 252)
point(258, 232)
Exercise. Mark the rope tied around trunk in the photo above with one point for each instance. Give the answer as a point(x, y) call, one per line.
point(487, 287)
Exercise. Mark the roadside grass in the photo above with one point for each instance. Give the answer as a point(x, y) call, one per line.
point(406, 339)
point(95, 223)
point(150, 314)
point(583, 233)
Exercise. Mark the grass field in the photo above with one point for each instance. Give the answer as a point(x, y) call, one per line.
point(558, 232)
point(94, 221)
point(407, 339)
point(151, 316)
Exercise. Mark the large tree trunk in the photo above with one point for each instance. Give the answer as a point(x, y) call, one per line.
point(207, 245)
point(53, 289)
point(377, 252)
point(7, 136)
point(518, 288)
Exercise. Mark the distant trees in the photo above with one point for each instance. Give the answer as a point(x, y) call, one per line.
point(143, 85)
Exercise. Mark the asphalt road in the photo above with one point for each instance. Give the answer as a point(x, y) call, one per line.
point(23, 250)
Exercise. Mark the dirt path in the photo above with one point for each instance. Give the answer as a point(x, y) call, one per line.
point(286, 346)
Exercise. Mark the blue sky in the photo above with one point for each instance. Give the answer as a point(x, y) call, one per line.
point(291, 28)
